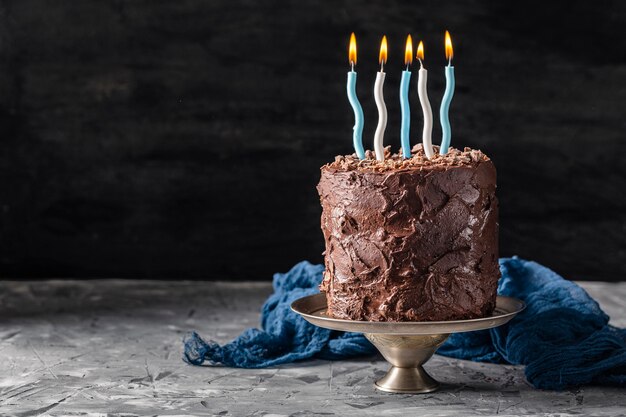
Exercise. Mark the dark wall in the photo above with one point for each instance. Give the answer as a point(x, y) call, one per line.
point(184, 139)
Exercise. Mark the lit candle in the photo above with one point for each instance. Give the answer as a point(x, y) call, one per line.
point(447, 98)
point(427, 133)
point(404, 99)
point(357, 133)
point(380, 103)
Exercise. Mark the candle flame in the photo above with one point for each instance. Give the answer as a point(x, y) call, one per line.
point(352, 50)
point(420, 51)
point(382, 57)
point(408, 51)
point(449, 51)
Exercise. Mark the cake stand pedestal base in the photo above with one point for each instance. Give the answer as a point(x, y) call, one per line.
point(407, 354)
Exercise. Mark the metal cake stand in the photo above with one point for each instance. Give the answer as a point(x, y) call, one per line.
point(405, 345)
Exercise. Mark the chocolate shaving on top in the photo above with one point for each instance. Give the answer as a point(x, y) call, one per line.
point(418, 160)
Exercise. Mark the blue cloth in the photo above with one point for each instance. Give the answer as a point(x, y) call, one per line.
point(286, 337)
point(562, 337)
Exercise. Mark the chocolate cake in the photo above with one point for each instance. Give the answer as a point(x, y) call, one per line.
point(410, 239)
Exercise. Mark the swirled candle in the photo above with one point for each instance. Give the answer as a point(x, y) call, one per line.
point(447, 98)
point(404, 100)
point(380, 103)
point(422, 92)
point(357, 130)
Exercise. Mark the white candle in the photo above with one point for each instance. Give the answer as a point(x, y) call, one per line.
point(422, 92)
point(380, 103)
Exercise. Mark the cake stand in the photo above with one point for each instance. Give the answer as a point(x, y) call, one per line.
point(405, 345)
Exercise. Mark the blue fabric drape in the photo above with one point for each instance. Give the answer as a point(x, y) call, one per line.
point(563, 337)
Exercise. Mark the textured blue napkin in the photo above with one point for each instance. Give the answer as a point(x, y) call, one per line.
point(562, 337)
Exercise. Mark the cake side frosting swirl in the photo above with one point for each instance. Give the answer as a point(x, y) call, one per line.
point(410, 239)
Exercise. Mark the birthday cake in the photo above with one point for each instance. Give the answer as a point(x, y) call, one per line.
point(411, 239)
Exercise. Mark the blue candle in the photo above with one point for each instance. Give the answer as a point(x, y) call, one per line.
point(447, 98)
point(404, 100)
point(357, 135)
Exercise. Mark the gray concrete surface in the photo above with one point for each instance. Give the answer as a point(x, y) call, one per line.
point(113, 347)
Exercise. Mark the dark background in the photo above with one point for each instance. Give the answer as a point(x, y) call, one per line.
point(183, 139)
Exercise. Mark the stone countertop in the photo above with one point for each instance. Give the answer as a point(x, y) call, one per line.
point(114, 347)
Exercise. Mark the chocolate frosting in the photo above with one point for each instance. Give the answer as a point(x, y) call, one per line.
point(410, 239)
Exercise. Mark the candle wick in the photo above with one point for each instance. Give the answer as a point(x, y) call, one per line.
point(382, 63)
point(421, 63)
point(407, 67)
point(449, 61)
point(352, 66)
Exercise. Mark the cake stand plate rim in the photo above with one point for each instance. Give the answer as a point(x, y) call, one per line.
point(313, 308)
